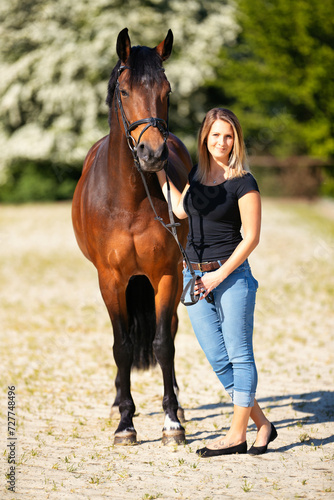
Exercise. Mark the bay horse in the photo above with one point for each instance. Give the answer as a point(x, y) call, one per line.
point(138, 262)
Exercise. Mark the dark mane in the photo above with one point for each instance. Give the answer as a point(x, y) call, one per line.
point(143, 63)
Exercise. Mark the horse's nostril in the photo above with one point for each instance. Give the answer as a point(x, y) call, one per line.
point(143, 152)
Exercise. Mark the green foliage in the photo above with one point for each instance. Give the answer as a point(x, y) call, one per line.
point(56, 57)
point(31, 181)
point(271, 61)
point(327, 186)
point(278, 76)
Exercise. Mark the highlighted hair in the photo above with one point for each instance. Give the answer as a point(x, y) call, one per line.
point(237, 159)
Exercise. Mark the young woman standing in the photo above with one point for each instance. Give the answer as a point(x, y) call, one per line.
point(219, 198)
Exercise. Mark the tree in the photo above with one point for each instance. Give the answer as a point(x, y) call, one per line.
point(55, 60)
point(278, 76)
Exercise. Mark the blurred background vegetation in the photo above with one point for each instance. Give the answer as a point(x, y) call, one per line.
point(270, 61)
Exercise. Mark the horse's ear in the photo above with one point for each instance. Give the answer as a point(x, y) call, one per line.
point(123, 46)
point(164, 48)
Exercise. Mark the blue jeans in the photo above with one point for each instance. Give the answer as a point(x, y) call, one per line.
point(224, 330)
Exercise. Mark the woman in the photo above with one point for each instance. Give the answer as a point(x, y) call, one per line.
point(219, 197)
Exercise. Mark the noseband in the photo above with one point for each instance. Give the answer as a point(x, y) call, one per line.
point(154, 122)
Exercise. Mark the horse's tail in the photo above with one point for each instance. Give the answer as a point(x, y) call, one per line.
point(142, 321)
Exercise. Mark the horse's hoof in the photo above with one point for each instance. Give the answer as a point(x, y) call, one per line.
point(114, 413)
point(125, 438)
point(180, 415)
point(174, 436)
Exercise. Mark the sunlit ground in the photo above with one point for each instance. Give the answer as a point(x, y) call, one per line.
point(56, 349)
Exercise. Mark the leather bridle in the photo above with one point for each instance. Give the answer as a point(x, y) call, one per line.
point(159, 123)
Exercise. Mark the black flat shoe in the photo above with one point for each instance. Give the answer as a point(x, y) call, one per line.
point(259, 450)
point(239, 448)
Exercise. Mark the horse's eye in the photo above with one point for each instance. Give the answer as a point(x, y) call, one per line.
point(124, 93)
point(168, 94)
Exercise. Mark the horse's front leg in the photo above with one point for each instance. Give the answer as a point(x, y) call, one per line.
point(163, 344)
point(175, 323)
point(114, 411)
point(114, 297)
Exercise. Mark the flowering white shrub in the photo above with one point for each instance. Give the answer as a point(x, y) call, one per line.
point(56, 57)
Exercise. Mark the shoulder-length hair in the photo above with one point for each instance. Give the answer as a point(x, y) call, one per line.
point(237, 159)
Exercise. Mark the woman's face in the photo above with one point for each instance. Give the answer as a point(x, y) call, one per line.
point(220, 141)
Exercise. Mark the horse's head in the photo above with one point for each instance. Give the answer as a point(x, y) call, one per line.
point(139, 90)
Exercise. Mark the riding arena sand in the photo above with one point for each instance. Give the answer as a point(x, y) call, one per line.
point(56, 351)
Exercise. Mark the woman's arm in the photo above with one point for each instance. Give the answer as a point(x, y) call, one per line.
point(176, 196)
point(250, 212)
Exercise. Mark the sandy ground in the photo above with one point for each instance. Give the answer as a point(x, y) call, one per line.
point(56, 349)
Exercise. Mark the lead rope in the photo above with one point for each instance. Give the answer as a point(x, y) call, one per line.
point(190, 286)
point(171, 228)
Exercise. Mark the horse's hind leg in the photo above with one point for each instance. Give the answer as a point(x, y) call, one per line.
point(163, 344)
point(123, 355)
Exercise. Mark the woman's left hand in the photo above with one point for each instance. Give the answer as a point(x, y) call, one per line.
point(207, 283)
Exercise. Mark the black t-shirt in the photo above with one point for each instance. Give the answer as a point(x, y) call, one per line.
point(214, 217)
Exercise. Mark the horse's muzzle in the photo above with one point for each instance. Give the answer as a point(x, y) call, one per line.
point(152, 160)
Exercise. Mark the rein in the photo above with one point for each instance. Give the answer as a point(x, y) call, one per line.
point(162, 126)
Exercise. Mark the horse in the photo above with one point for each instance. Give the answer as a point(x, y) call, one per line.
point(138, 262)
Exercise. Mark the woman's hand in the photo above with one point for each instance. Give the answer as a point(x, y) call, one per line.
point(176, 195)
point(250, 212)
point(207, 283)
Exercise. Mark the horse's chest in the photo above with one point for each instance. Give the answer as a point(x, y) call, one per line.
point(151, 241)
point(138, 240)
point(148, 241)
